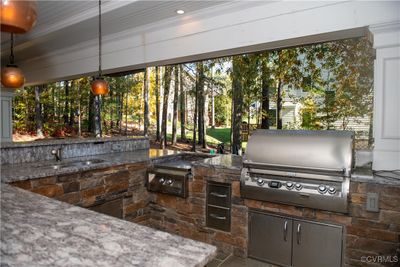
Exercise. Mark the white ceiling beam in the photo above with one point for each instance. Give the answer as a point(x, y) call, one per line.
point(265, 26)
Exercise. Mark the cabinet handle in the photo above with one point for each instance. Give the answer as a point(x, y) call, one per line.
point(218, 195)
point(285, 230)
point(298, 234)
point(217, 217)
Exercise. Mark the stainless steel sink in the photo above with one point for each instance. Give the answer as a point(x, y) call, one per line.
point(80, 163)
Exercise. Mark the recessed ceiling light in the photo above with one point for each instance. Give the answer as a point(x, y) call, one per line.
point(180, 11)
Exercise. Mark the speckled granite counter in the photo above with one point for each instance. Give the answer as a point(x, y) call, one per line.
point(221, 169)
point(26, 171)
point(39, 231)
point(366, 175)
point(224, 161)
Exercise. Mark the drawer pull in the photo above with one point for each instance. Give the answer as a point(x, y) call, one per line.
point(217, 217)
point(298, 234)
point(285, 231)
point(218, 195)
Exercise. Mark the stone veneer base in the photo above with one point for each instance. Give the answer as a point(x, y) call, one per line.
point(366, 233)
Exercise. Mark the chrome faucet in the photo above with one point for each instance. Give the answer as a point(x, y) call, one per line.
point(57, 153)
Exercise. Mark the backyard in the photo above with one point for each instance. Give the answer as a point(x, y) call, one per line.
point(325, 86)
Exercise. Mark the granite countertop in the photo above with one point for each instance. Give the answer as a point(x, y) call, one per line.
point(40, 231)
point(26, 171)
point(367, 175)
point(223, 161)
point(58, 141)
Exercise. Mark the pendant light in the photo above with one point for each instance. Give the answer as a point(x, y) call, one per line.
point(11, 75)
point(99, 85)
point(18, 16)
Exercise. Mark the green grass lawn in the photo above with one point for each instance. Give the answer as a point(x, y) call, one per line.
point(213, 136)
point(223, 135)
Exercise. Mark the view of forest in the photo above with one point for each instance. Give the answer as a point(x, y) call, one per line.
point(319, 87)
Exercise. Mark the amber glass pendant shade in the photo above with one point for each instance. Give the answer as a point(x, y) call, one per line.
point(18, 16)
point(12, 77)
point(99, 87)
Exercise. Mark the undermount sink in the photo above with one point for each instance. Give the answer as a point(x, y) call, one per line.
point(80, 163)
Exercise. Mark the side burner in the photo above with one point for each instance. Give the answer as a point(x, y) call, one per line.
point(170, 175)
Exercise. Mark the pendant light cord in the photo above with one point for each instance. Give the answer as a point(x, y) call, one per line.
point(12, 50)
point(100, 72)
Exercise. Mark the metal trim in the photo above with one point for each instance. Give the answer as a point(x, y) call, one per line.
point(297, 175)
point(295, 169)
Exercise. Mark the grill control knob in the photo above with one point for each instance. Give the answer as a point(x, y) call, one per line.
point(260, 182)
point(322, 189)
point(332, 190)
point(169, 182)
point(289, 185)
point(161, 180)
point(298, 186)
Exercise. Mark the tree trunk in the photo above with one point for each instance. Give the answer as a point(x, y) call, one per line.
point(112, 100)
point(104, 126)
point(66, 106)
point(59, 104)
point(279, 106)
point(157, 92)
point(97, 116)
point(71, 109)
point(237, 101)
point(79, 111)
point(249, 115)
point(370, 130)
point(182, 104)
point(120, 110)
point(175, 111)
point(212, 108)
point(167, 83)
point(195, 112)
point(91, 118)
point(265, 95)
point(201, 105)
point(146, 84)
point(126, 114)
point(38, 112)
point(53, 92)
point(26, 116)
point(141, 108)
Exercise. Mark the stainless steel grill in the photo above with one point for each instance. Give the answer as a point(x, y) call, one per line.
point(302, 168)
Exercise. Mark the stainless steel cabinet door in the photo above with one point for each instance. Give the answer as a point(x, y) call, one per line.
point(270, 238)
point(316, 244)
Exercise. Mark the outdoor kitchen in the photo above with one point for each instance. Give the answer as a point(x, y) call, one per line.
point(257, 207)
point(129, 140)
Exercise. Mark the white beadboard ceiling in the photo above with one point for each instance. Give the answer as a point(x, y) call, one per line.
point(61, 24)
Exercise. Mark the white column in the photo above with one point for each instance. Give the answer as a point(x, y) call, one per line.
point(6, 96)
point(386, 153)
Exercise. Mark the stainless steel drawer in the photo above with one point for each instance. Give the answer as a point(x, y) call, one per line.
point(219, 218)
point(219, 195)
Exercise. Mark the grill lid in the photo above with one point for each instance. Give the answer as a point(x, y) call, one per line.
point(321, 151)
